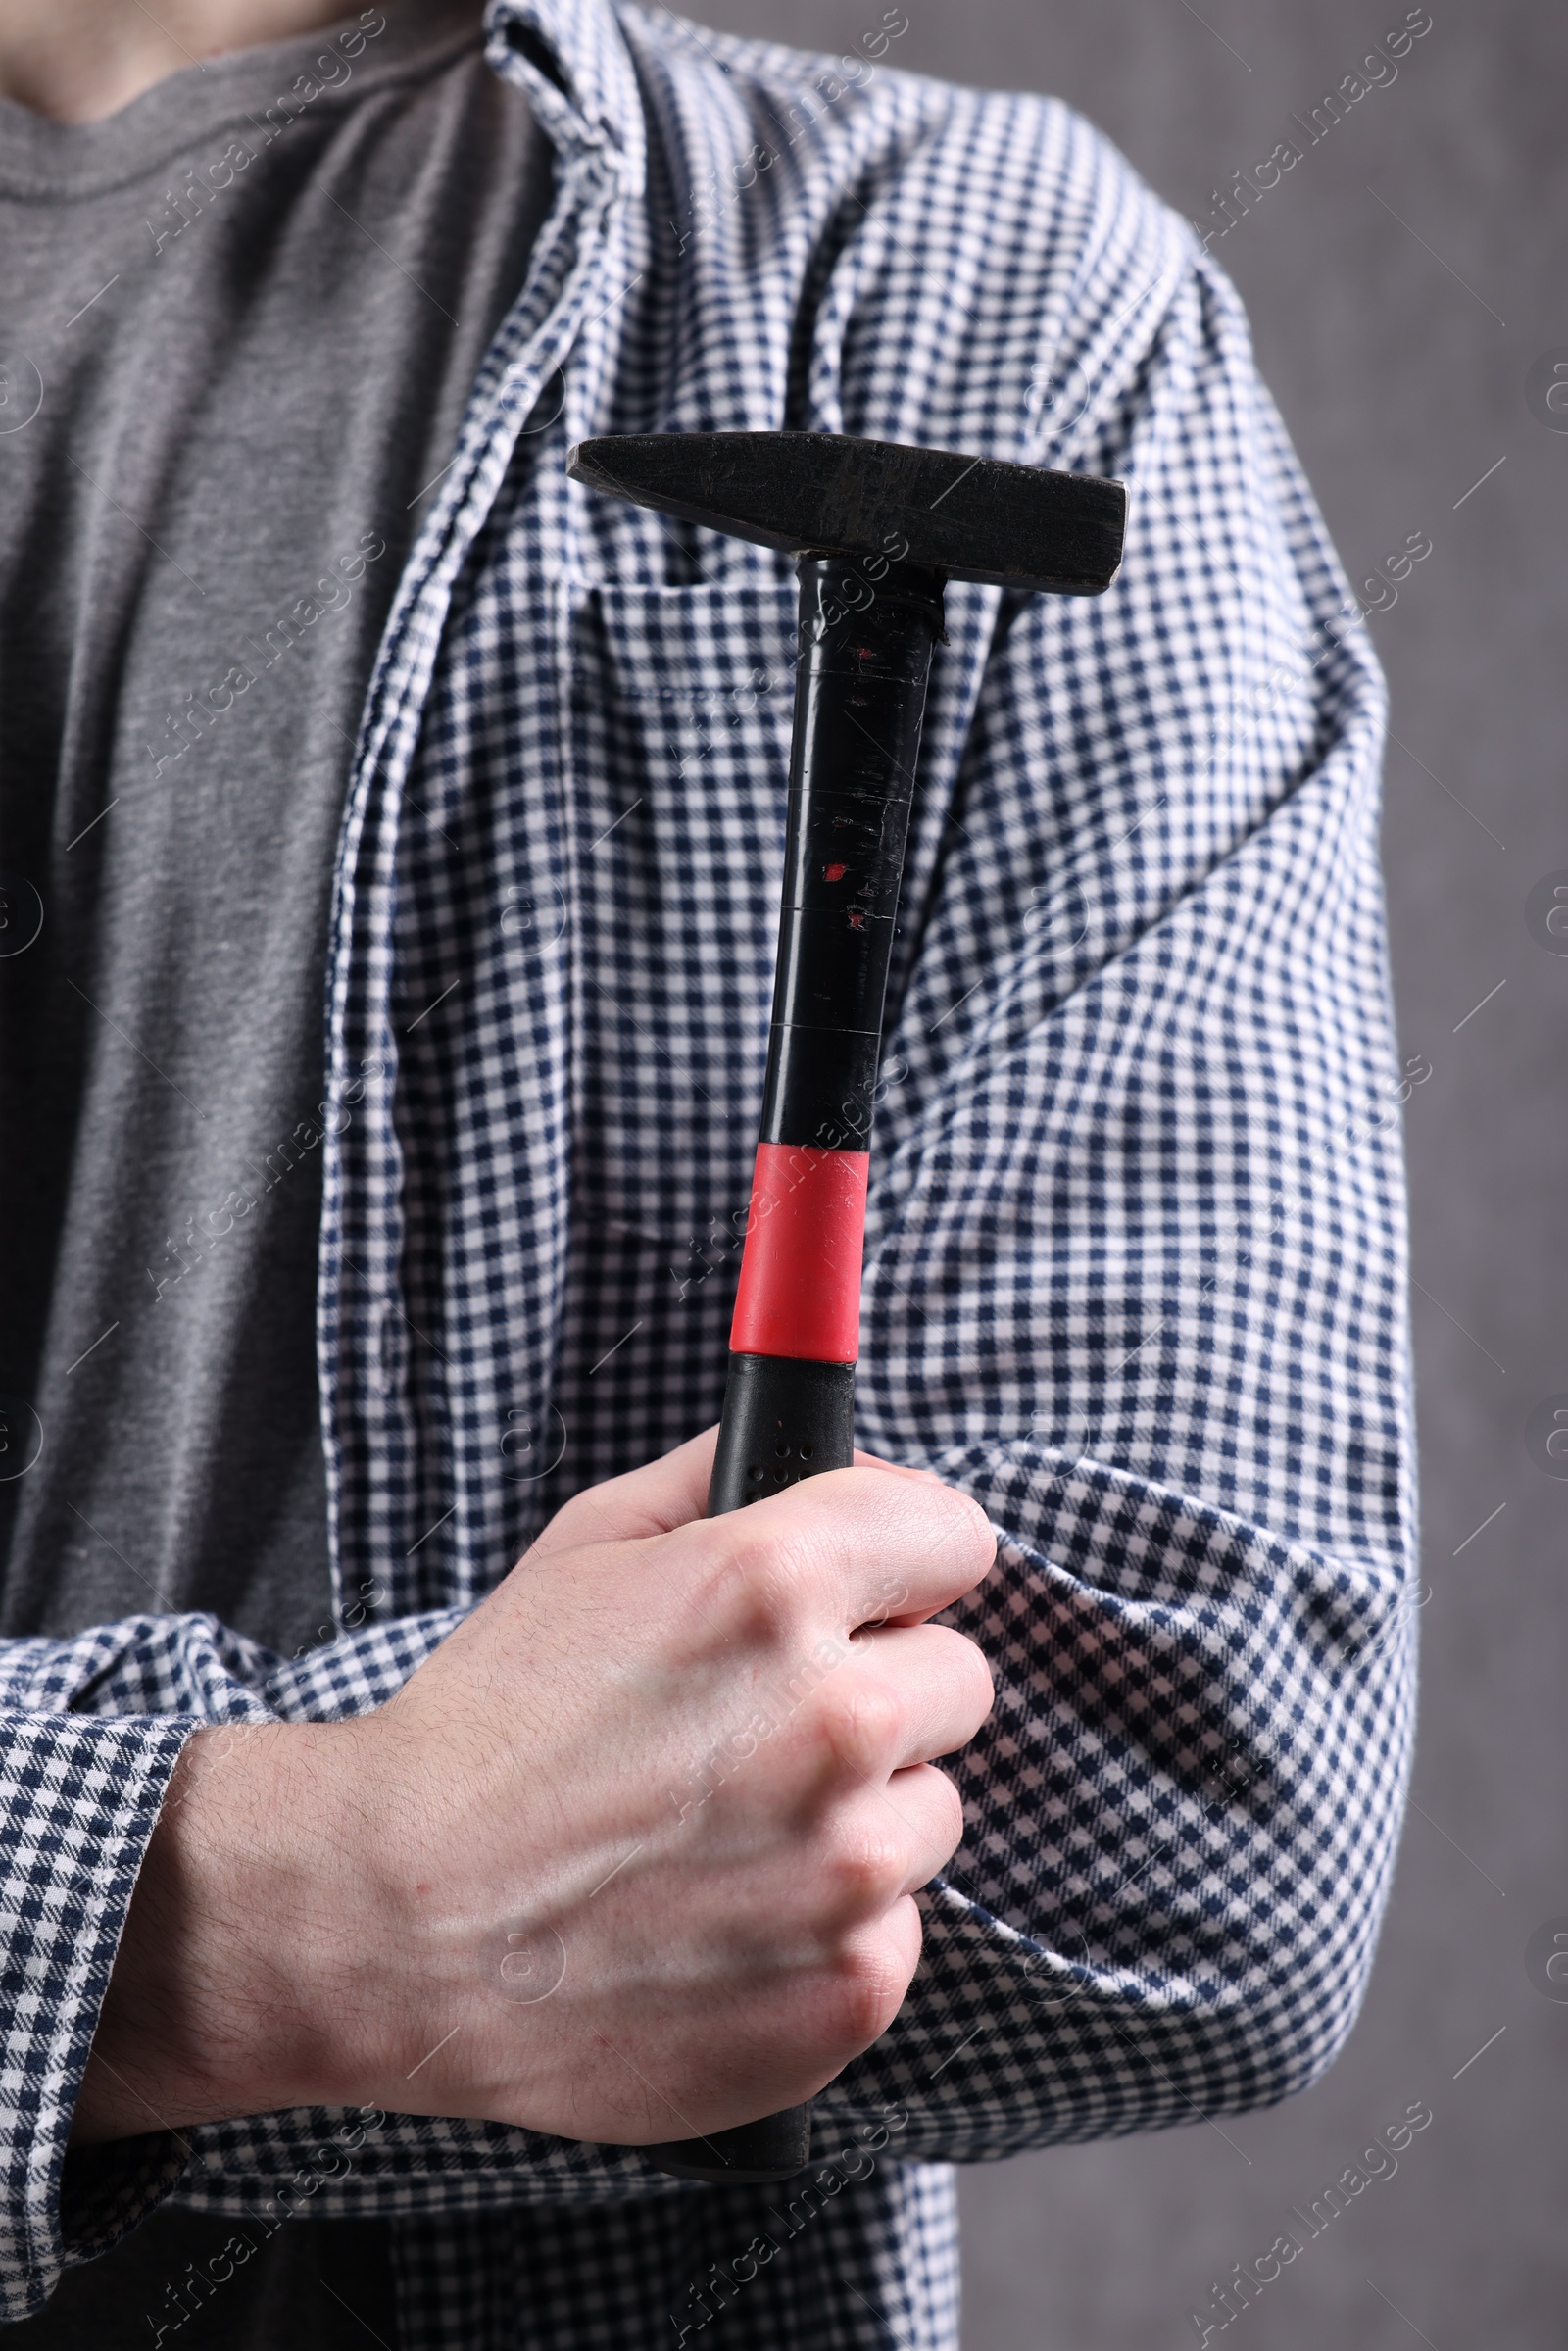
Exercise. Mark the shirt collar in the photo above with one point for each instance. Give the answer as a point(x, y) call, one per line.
point(570, 58)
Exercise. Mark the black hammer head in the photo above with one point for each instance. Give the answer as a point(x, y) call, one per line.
point(826, 494)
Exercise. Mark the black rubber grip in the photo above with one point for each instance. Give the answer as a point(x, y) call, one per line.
point(783, 1420)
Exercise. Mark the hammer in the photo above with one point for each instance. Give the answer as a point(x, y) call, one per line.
point(879, 529)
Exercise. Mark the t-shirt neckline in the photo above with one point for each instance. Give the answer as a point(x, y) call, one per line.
point(41, 158)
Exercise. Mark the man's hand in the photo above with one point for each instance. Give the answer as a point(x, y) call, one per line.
point(629, 1858)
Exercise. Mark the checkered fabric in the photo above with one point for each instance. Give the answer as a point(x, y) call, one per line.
point(1135, 1254)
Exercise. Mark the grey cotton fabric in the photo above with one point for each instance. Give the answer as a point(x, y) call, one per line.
point(241, 322)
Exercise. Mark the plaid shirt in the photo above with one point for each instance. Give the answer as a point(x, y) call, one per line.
point(1135, 1252)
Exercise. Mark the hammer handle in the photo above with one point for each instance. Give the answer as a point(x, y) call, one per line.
point(789, 1402)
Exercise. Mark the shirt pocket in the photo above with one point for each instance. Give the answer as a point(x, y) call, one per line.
point(683, 699)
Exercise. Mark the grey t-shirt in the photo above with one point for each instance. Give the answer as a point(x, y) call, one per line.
point(238, 324)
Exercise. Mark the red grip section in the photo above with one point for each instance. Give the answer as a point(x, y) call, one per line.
point(800, 1292)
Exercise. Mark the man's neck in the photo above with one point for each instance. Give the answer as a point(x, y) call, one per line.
point(80, 60)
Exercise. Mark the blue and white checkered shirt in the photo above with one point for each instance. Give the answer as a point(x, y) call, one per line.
point(1135, 1252)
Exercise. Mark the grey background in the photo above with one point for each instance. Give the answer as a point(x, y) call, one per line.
point(1402, 386)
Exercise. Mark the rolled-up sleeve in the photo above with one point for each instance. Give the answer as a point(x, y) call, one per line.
point(1136, 1279)
point(92, 1730)
point(78, 1802)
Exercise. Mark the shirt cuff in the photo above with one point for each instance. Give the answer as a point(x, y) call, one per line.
point(79, 1798)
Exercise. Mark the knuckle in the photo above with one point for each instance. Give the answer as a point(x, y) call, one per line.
point(864, 1871)
point(788, 1568)
point(861, 1723)
point(871, 1984)
point(758, 1585)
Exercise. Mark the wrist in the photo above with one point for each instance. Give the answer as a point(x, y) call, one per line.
point(242, 1983)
